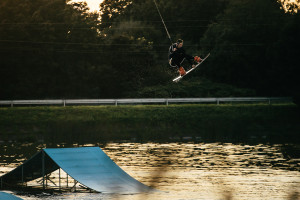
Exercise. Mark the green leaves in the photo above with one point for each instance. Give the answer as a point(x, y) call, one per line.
point(57, 49)
point(242, 40)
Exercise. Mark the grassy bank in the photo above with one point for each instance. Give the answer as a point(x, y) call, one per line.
point(210, 123)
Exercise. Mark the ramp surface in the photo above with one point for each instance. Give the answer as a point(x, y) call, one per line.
point(93, 168)
point(7, 196)
point(90, 166)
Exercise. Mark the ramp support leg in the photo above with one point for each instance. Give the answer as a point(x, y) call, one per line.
point(59, 178)
point(43, 168)
point(74, 186)
point(22, 174)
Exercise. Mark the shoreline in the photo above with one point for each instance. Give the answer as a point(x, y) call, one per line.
point(143, 123)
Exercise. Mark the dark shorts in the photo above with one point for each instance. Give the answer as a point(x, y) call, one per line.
point(175, 62)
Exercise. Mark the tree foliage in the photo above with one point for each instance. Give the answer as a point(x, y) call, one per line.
point(57, 49)
point(246, 43)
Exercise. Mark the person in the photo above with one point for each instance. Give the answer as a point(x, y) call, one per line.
point(177, 55)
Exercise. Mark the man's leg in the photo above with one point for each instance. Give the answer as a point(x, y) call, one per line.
point(180, 68)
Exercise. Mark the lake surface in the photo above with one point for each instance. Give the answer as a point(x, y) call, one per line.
point(184, 170)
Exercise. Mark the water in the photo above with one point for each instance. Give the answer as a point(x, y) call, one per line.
point(185, 170)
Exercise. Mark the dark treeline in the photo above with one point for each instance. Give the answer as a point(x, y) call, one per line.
point(57, 49)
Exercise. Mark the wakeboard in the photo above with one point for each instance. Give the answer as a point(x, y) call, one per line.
point(177, 79)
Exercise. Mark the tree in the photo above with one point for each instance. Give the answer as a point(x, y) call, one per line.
point(241, 42)
point(184, 19)
point(43, 49)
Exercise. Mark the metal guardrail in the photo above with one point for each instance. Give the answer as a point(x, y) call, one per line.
point(167, 101)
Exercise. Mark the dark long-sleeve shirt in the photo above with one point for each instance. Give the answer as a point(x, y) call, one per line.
point(179, 54)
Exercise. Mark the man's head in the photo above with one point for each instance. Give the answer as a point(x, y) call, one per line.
point(179, 43)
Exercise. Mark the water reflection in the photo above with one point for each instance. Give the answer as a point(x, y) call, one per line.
point(187, 170)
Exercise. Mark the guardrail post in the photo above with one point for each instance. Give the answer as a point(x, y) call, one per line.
point(64, 103)
point(269, 101)
point(167, 102)
point(218, 101)
point(116, 102)
point(12, 104)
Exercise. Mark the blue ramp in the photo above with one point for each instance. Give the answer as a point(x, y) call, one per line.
point(93, 168)
point(90, 166)
point(7, 196)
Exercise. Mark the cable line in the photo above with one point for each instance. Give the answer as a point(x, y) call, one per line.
point(163, 22)
point(116, 44)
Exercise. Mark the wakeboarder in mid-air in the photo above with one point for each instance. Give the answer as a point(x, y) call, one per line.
point(177, 55)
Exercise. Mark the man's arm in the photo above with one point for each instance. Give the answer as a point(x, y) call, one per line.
point(172, 50)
